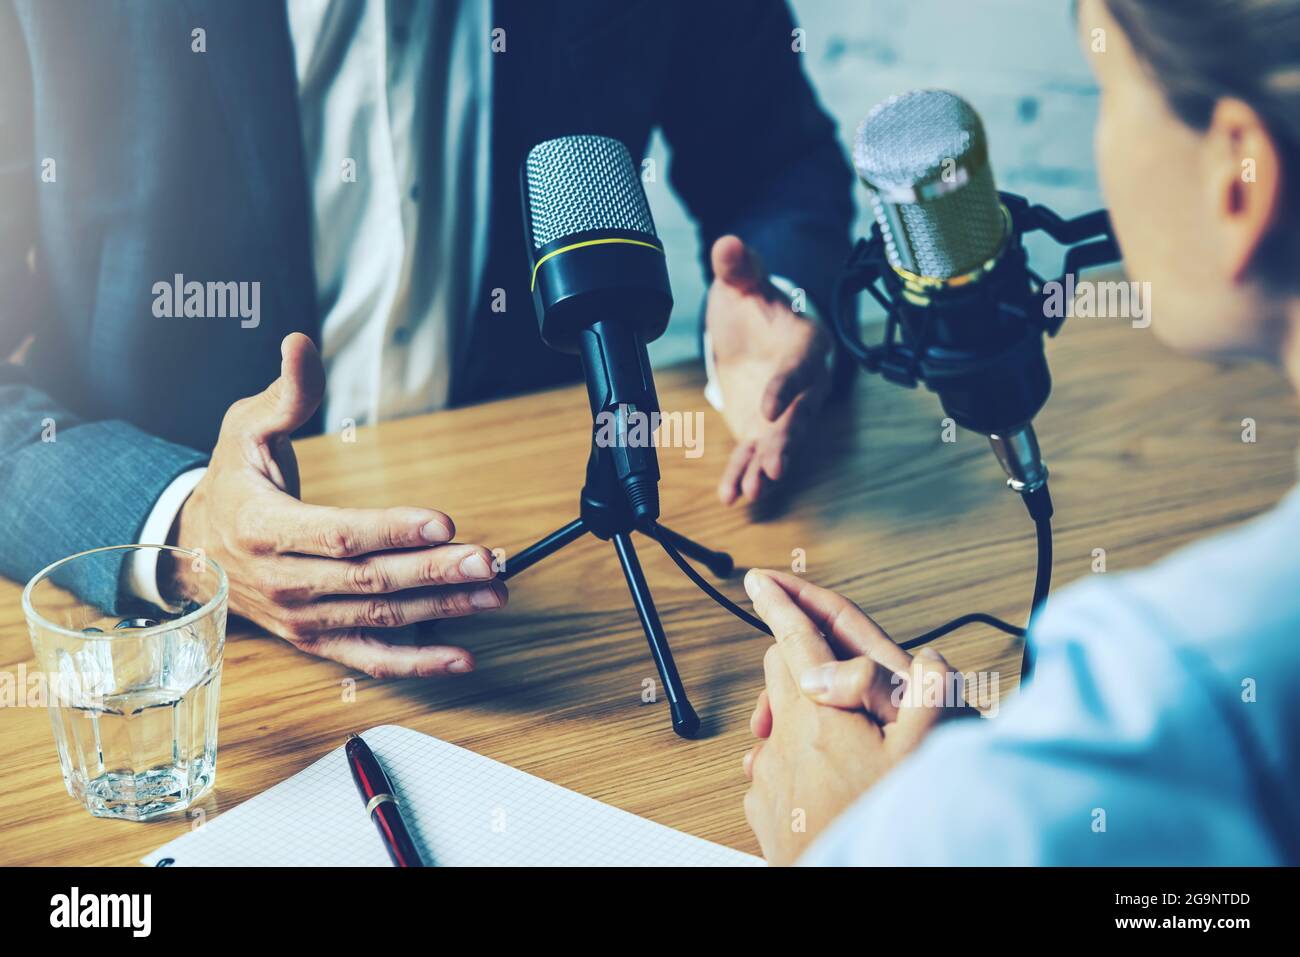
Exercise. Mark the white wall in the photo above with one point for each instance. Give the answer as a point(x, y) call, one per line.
point(1016, 61)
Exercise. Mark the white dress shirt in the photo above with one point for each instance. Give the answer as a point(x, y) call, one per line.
point(394, 104)
point(393, 98)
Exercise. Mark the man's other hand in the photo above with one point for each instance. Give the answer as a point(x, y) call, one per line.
point(773, 366)
point(335, 582)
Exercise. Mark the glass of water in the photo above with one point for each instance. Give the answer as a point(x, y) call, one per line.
point(133, 687)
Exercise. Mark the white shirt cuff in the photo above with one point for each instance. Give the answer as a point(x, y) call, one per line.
point(142, 570)
point(712, 388)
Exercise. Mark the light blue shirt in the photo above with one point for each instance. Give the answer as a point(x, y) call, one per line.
point(1162, 726)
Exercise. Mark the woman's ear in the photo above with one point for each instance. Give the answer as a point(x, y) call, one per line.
point(1244, 174)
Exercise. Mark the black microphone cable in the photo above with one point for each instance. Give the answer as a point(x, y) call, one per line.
point(652, 529)
point(1039, 504)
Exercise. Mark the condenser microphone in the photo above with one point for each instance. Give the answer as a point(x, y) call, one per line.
point(967, 291)
point(965, 314)
point(600, 287)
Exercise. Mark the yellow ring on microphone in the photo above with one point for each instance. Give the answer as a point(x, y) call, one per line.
point(918, 286)
point(589, 242)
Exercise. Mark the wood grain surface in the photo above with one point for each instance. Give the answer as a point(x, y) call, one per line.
point(1146, 453)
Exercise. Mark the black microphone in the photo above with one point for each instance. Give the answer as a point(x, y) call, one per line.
point(600, 286)
point(965, 296)
point(964, 311)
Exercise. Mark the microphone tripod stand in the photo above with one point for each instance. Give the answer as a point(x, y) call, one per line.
point(605, 513)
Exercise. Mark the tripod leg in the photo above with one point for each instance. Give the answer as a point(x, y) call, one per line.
point(549, 545)
point(685, 721)
point(719, 563)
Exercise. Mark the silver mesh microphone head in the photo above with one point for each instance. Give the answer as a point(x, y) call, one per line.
point(581, 183)
point(924, 157)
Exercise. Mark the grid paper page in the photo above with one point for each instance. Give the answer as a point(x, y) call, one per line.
point(462, 810)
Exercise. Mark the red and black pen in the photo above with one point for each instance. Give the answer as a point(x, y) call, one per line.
point(381, 803)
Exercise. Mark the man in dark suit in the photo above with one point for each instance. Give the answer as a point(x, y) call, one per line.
point(200, 199)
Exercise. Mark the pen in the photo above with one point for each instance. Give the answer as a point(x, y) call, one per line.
point(381, 803)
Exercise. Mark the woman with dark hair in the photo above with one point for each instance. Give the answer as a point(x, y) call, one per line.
point(1161, 725)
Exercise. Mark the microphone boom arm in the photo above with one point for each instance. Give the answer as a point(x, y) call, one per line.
point(1090, 238)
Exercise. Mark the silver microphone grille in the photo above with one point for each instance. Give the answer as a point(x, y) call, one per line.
point(924, 157)
point(580, 183)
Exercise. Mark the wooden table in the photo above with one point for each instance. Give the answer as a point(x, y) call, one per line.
point(1146, 453)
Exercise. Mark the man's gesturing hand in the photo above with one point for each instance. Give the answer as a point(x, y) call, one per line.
point(335, 582)
point(772, 367)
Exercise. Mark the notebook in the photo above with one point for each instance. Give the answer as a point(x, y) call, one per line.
point(462, 810)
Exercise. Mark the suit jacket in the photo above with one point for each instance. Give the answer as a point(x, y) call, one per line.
point(168, 161)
